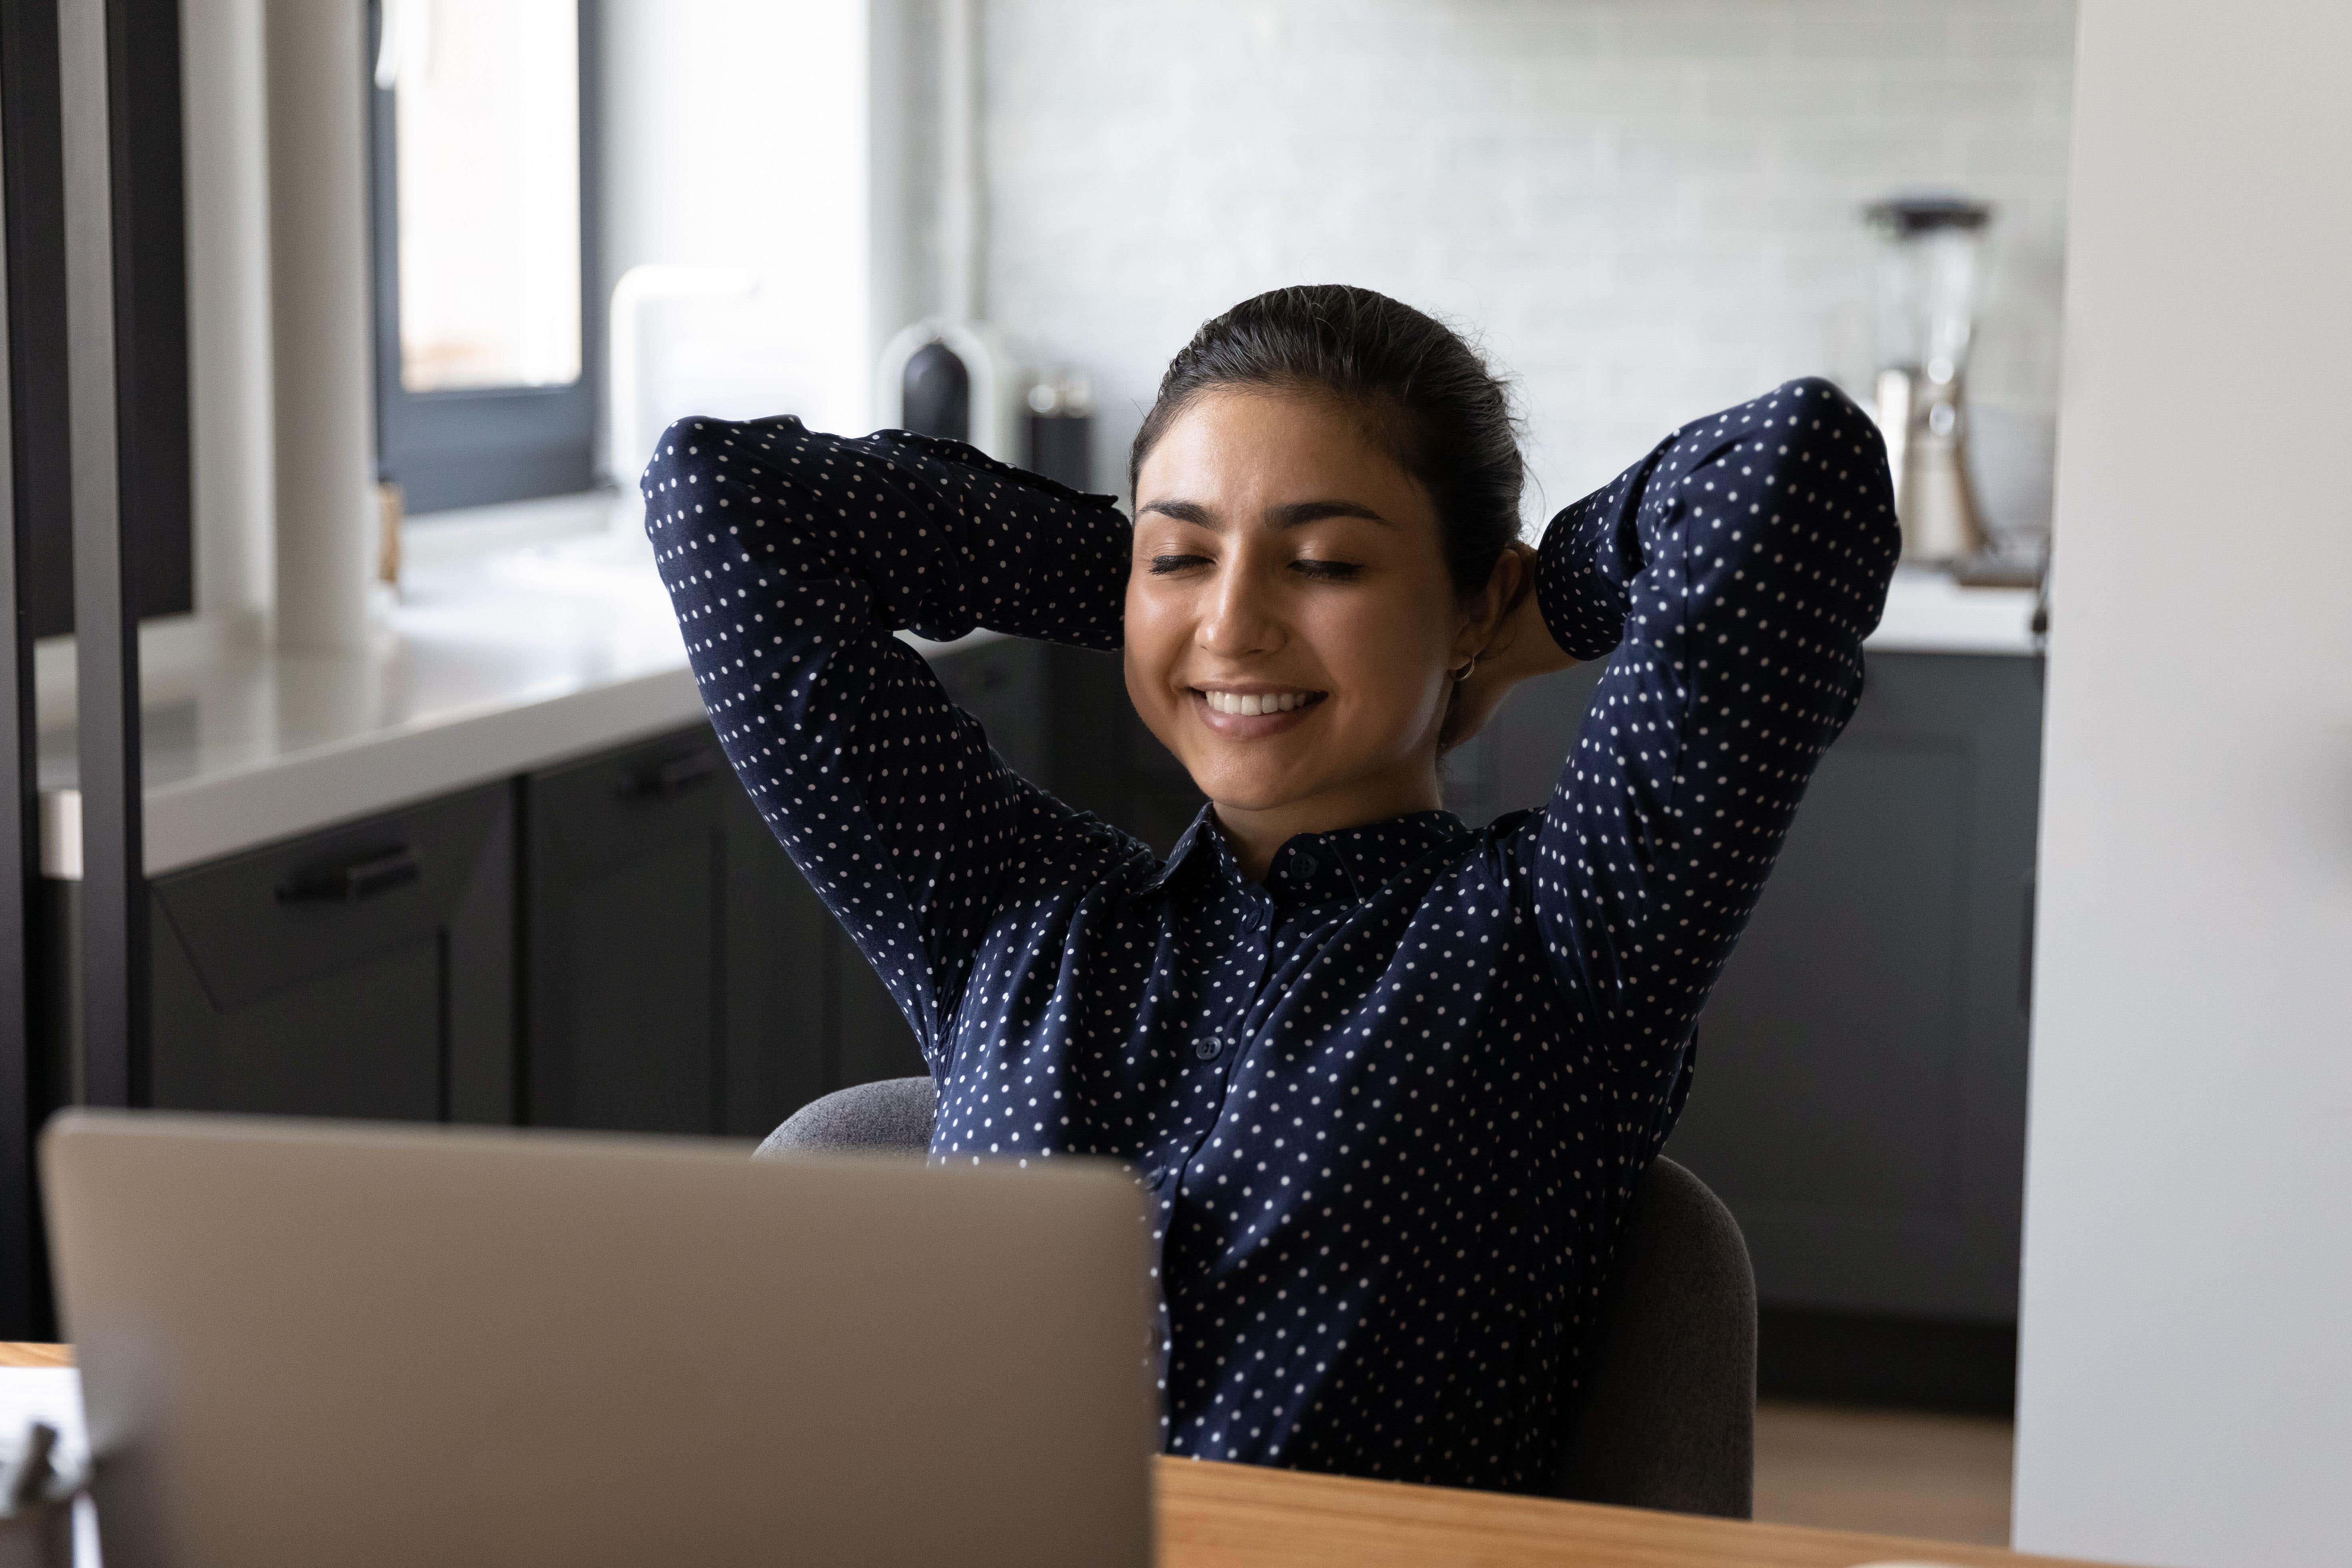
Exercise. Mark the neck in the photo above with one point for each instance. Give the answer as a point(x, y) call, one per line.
point(1257, 834)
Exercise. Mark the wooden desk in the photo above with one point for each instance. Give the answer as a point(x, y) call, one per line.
point(1241, 1516)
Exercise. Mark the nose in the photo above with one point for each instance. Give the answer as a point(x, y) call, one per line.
point(1240, 618)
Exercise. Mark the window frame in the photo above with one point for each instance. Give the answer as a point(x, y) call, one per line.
point(479, 446)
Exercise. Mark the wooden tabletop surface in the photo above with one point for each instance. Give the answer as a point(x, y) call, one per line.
point(1243, 1516)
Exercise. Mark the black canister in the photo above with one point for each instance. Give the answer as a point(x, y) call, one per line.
point(935, 393)
point(1061, 429)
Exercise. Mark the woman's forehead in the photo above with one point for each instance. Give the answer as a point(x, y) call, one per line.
point(1254, 451)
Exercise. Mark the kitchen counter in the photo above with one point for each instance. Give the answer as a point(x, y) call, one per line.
point(482, 670)
point(1928, 612)
point(497, 664)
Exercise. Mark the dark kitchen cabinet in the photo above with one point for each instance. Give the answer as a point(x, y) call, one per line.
point(615, 943)
point(1860, 1094)
point(676, 967)
point(1867, 1042)
point(366, 971)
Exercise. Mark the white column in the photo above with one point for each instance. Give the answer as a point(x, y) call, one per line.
point(228, 158)
point(2185, 1386)
point(325, 420)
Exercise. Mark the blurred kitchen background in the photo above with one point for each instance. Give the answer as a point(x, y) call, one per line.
point(1646, 211)
point(450, 264)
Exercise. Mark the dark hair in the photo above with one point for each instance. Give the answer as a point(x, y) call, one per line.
point(1432, 402)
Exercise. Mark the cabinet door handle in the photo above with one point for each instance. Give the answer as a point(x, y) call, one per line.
point(348, 884)
point(673, 778)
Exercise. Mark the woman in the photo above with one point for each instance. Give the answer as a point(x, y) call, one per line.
point(1390, 1080)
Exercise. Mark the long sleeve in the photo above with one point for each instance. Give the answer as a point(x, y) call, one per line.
point(792, 558)
point(1735, 571)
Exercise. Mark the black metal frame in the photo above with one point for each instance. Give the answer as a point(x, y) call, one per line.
point(97, 86)
point(472, 448)
point(20, 844)
point(94, 435)
point(157, 516)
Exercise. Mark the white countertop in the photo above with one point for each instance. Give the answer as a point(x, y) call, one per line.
point(1926, 612)
point(499, 664)
point(483, 670)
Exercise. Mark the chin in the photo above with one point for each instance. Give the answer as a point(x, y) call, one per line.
point(1246, 790)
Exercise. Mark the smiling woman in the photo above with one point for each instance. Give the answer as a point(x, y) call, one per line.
point(1327, 504)
point(1391, 1082)
point(1289, 625)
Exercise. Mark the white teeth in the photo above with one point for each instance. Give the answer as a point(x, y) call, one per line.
point(1249, 705)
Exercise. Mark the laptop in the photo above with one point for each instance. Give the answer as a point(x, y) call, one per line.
point(309, 1342)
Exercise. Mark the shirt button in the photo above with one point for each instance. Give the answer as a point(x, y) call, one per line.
point(1207, 1048)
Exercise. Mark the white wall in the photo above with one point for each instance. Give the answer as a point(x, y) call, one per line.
point(1649, 207)
point(739, 133)
point(2186, 1377)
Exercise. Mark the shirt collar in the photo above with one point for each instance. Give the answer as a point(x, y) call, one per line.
point(1319, 867)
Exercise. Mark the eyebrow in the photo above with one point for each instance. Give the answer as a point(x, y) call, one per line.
point(1291, 514)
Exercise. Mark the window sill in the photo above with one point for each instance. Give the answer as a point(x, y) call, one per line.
point(440, 540)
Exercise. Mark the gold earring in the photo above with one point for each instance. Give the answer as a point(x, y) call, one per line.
point(1463, 674)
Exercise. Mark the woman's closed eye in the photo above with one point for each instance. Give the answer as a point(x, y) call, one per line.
point(1327, 571)
point(1319, 570)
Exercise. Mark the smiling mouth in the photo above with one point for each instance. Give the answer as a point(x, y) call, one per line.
point(1253, 704)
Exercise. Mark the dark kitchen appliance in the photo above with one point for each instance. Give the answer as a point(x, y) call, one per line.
point(1061, 429)
point(953, 379)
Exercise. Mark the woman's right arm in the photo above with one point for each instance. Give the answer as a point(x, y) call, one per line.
point(1735, 571)
point(791, 558)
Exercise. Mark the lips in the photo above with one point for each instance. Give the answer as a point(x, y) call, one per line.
point(1251, 704)
point(1259, 714)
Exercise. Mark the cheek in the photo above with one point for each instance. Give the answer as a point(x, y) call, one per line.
point(1153, 634)
point(1383, 651)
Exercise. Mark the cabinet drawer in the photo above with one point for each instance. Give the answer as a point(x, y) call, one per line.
point(364, 971)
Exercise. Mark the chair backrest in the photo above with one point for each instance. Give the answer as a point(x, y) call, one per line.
point(1668, 1418)
point(894, 1113)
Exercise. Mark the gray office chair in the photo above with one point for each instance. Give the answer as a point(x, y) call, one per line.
point(1668, 1420)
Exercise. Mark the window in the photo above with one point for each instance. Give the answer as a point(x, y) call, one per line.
point(486, 344)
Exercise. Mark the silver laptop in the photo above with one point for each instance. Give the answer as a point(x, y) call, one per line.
point(314, 1343)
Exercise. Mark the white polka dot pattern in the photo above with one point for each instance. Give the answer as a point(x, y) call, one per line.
point(1393, 1101)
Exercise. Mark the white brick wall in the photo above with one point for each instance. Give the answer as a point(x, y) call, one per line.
point(1647, 209)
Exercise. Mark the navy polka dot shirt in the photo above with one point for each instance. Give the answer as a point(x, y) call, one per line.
point(1393, 1101)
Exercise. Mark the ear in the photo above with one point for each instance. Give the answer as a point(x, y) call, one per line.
point(1487, 613)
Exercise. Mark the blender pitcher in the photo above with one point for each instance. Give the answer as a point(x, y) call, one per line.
point(1926, 303)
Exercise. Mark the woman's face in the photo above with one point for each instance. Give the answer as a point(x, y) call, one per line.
point(1290, 624)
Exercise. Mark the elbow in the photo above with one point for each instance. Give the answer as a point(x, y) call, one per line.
point(679, 473)
point(672, 455)
point(1834, 452)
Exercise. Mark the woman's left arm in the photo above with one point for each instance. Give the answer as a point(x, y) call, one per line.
point(1735, 571)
